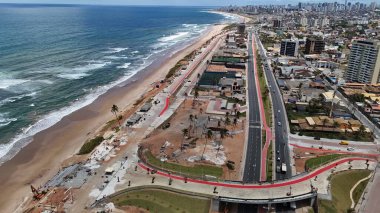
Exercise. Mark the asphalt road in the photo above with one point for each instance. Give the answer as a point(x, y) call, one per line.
point(280, 121)
point(254, 146)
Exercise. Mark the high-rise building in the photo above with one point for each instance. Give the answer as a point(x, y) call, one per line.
point(364, 62)
point(303, 21)
point(314, 45)
point(241, 28)
point(276, 23)
point(289, 47)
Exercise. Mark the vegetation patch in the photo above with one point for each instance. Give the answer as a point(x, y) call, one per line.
point(90, 145)
point(341, 184)
point(316, 162)
point(270, 163)
point(162, 201)
point(358, 191)
point(197, 170)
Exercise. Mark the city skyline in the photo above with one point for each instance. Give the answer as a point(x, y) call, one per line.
point(176, 2)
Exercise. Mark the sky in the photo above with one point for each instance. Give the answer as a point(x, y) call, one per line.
point(175, 2)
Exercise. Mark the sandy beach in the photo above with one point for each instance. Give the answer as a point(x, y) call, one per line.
point(42, 158)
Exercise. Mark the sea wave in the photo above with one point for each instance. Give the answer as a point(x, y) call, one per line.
point(7, 83)
point(4, 120)
point(173, 37)
point(116, 49)
point(16, 98)
point(124, 66)
point(81, 71)
point(8, 150)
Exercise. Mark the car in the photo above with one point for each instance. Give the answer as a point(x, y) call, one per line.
point(279, 123)
point(278, 151)
point(317, 138)
point(350, 149)
point(278, 169)
point(279, 111)
point(278, 158)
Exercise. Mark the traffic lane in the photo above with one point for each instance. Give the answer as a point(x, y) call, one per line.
point(252, 169)
point(323, 142)
point(280, 131)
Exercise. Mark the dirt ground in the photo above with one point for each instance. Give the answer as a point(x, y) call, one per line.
point(301, 155)
point(164, 142)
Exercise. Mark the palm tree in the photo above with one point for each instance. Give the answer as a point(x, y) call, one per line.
point(324, 121)
point(336, 124)
point(191, 117)
point(208, 136)
point(185, 133)
point(223, 134)
point(227, 121)
point(115, 110)
point(235, 121)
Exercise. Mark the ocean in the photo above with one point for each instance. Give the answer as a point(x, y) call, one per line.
point(55, 59)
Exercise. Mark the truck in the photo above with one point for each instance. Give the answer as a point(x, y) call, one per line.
point(283, 168)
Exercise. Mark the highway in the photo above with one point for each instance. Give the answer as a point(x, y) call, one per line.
point(280, 118)
point(252, 166)
point(253, 152)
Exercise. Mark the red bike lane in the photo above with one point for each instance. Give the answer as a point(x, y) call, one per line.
point(268, 132)
point(260, 186)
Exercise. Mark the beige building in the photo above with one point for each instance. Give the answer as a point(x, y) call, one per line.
point(364, 62)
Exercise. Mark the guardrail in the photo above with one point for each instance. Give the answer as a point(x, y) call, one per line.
point(270, 201)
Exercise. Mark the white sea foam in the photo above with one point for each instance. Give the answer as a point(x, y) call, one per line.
point(7, 151)
point(7, 83)
point(81, 71)
point(135, 52)
point(124, 66)
point(4, 120)
point(113, 57)
point(228, 16)
point(17, 97)
point(173, 37)
point(117, 49)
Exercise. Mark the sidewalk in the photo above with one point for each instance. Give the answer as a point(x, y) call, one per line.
point(300, 185)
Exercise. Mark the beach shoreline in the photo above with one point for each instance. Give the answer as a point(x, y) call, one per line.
point(42, 158)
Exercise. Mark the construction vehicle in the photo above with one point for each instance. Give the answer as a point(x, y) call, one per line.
point(37, 195)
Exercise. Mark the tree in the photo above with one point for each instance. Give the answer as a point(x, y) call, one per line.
point(336, 124)
point(235, 121)
point(324, 121)
point(238, 114)
point(185, 133)
point(361, 130)
point(196, 94)
point(208, 136)
point(115, 110)
point(300, 90)
point(223, 134)
point(227, 121)
point(191, 117)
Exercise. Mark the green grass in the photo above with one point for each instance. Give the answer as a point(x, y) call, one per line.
point(341, 184)
point(197, 170)
point(90, 145)
point(162, 201)
point(358, 191)
point(263, 86)
point(338, 136)
point(270, 163)
point(316, 162)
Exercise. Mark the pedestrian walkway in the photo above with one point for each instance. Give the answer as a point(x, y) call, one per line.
point(300, 185)
point(268, 132)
